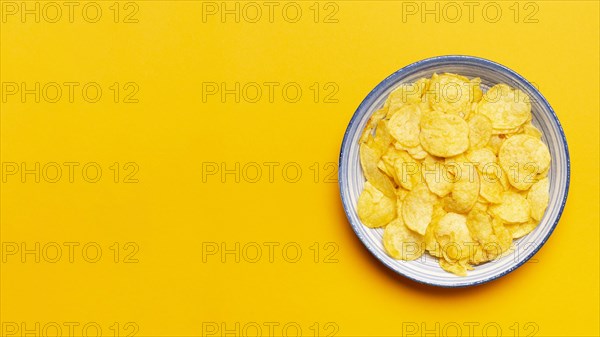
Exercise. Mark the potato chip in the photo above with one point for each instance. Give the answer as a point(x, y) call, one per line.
point(436, 176)
point(407, 170)
point(444, 135)
point(374, 208)
point(513, 209)
point(458, 268)
point(465, 191)
point(417, 209)
point(522, 157)
point(401, 243)
point(454, 238)
point(538, 197)
point(371, 123)
point(496, 142)
point(506, 107)
point(482, 158)
point(480, 226)
point(406, 93)
point(480, 131)
point(404, 125)
point(491, 189)
point(503, 241)
point(451, 93)
point(417, 152)
point(382, 138)
point(519, 230)
point(369, 158)
point(531, 130)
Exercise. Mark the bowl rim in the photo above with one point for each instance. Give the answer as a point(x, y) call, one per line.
point(454, 59)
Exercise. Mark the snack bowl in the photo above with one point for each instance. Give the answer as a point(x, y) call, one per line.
point(426, 268)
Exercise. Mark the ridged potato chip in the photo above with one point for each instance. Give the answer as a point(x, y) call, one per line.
point(417, 208)
point(374, 208)
point(522, 157)
point(506, 107)
point(453, 172)
point(401, 243)
point(538, 197)
point(444, 135)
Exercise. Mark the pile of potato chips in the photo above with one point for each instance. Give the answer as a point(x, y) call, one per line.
point(453, 171)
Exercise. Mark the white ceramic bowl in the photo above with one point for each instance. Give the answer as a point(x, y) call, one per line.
point(426, 269)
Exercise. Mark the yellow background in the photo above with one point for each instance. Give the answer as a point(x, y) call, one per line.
point(170, 132)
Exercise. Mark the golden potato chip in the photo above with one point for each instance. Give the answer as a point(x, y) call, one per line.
point(491, 189)
point(531, 130)
point(371, 123)
point(496, 142)
point(417, 209)
point(374, 208)
point(454, 238)
point(480, 131)
point(401, 243)
point(444, 135)
point(503, 242)
point(436, 176)
point(538, 197)
point(465, 191)
point(519, 230)
point(417, 152)
point(459, 268)
point(480, 226)
point(406, 93)
point(382, 138)
point(451, 93)
point(513, 209)
point(369, 158)
point(404, 125)
point(507, 108)
point(482, 158)
point(408, 170)
point(522, 157)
